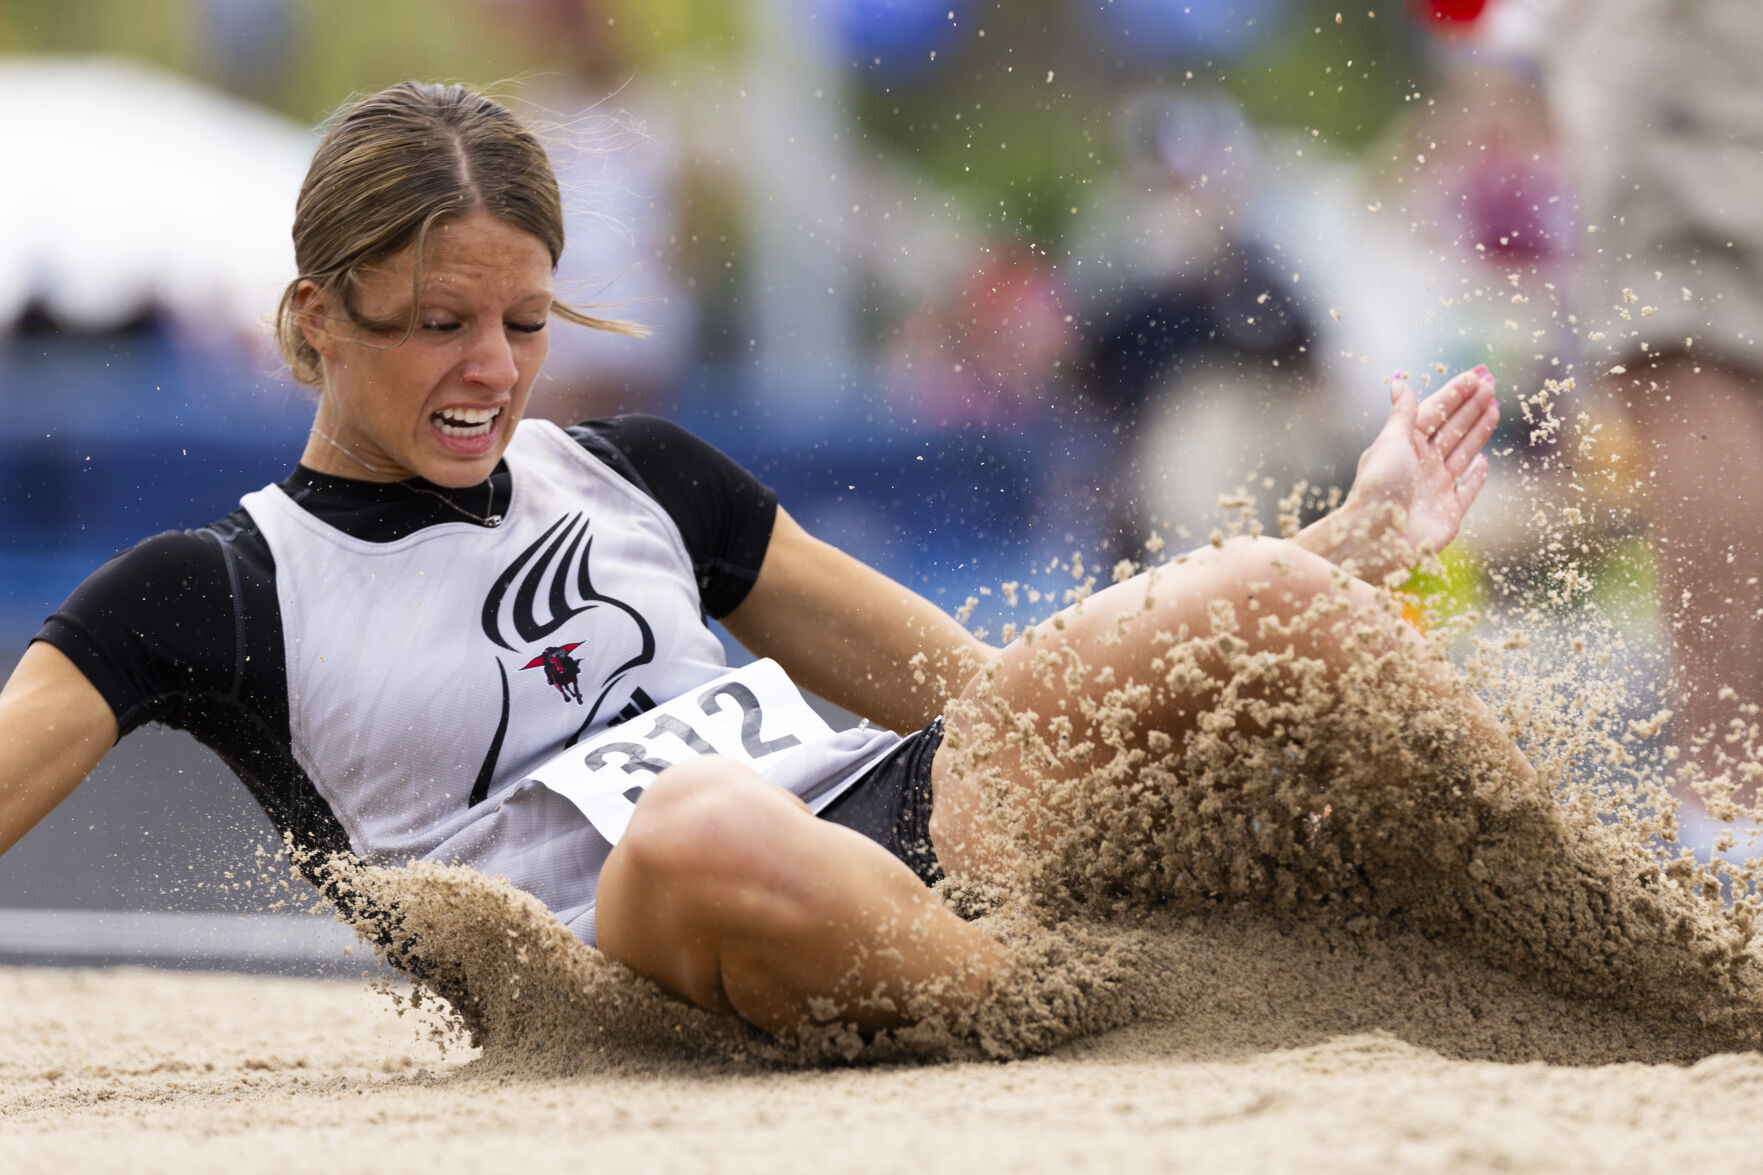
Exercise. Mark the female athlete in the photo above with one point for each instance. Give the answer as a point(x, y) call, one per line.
point(456, 635)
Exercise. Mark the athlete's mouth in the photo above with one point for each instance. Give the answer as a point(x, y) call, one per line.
point(465, 422)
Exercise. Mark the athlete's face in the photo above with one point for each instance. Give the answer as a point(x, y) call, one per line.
point(442, 403)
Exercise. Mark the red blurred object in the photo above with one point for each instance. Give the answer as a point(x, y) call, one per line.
point(1449, 11)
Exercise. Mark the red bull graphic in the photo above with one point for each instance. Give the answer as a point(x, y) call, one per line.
point(561, 670)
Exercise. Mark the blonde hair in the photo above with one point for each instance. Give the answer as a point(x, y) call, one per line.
point(393, 165)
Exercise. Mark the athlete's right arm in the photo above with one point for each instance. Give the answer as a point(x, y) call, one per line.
point(54, 727)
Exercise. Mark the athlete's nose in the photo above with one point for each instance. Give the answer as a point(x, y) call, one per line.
point(490, 364)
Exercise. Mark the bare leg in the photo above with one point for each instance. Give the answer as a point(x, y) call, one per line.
point(1702, 429)
point(1112, 634)
point(727, 892)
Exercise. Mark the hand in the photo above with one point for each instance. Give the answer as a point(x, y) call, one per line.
point(1415, 481)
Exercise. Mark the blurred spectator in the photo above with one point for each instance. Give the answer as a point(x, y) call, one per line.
point(896, 39)
point(246, 43)
point(990, 351)
point(1449, 13)
point(1195, 338)
point(1152, 32)
point(1661, 106)
point(616, 151)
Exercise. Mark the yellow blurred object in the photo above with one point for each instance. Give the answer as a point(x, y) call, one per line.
point(1459, 584)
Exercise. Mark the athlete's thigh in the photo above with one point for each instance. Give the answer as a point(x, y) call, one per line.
point(990, 764)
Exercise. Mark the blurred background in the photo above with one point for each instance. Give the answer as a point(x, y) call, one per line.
point(977, 287)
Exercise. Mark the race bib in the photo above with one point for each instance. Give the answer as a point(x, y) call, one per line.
point(753, 715)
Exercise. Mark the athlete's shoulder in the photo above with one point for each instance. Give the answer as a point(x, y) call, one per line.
point(161, 577)
point(641, 441)
point(638, 428)
point(165, 558)
point(155, 620)
point(724, 514)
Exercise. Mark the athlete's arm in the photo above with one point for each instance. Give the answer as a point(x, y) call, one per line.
point(54, 727)
point(851, 634)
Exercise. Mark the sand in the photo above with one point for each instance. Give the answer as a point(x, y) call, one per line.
point(130, 1070)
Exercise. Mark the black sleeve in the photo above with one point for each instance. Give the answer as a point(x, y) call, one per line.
point(154, 625)
point(724, 513)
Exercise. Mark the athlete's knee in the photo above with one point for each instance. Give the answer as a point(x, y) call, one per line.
point(687, 809)
point(716, 838)
point(1264, 558)
point(1266, 573)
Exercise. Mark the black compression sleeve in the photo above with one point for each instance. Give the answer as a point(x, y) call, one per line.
point(724, 513)
point(150, 627)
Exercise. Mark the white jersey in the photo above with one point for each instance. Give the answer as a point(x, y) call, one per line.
point(430, 678)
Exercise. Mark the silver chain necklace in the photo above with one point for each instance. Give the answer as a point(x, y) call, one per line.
point(488, 518)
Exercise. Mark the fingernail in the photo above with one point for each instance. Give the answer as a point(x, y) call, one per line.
point(1483, 372)
point(1398, 374)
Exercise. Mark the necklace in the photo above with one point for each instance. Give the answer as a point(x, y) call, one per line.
point(488, 518)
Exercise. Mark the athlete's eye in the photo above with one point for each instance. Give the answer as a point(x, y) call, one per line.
point(527, 328)
point(390, 326)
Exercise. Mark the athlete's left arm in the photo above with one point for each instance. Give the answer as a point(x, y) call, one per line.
point(851, 634)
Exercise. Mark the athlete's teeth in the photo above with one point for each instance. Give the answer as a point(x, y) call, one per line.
point(466, 421)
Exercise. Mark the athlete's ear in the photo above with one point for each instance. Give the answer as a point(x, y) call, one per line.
point(313, 311)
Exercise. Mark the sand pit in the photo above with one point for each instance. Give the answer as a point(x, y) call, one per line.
point(132, 1070)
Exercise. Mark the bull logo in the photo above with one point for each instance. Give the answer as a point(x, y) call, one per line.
point(561, 670)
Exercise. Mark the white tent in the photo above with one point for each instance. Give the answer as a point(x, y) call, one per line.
point(123, 187)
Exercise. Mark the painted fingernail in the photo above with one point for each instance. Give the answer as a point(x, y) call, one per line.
point(1483, 372)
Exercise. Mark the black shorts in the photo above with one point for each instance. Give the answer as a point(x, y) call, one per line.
point(890, 804)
